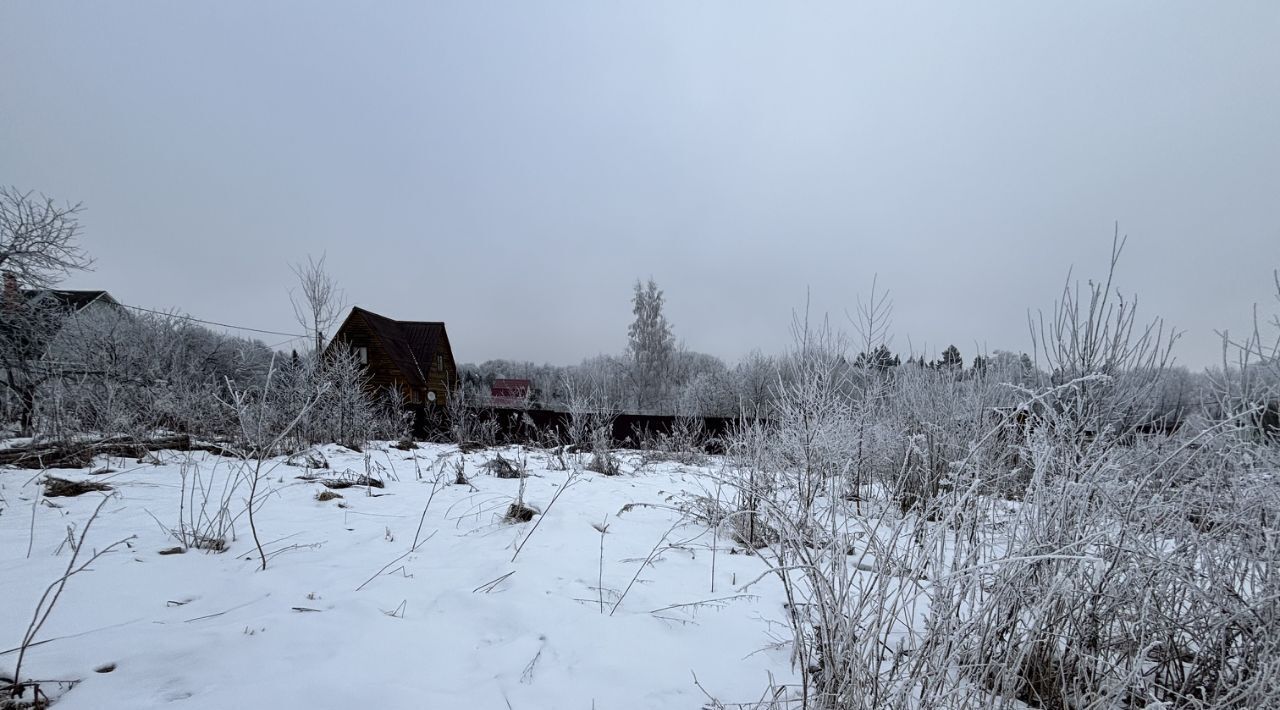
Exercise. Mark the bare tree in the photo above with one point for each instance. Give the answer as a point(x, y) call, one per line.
point(873, 318)
point(756, 378)
point(38, 238)
point(318, 303)
point(1097, 333)
point(37, 248)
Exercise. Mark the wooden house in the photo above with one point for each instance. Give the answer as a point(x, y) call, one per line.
point(510, 393)
point(413, 357)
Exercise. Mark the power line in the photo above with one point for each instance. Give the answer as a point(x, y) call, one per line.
point(290, 340)
point(292, 336)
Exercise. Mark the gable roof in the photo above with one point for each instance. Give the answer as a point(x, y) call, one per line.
point(69, 300)
point(51, 308)
point(410, 345)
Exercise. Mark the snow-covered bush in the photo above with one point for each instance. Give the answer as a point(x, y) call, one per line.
point(979, 541)
point(121, 372)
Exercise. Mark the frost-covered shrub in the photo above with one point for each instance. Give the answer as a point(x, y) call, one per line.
point(121, 372)
point(990, 541)
point(138, 374)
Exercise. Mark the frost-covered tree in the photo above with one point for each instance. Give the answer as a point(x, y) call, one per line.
point(346, 412)
point(650, 347)
point(120, 372)
point(951, 359)
point(39, 238)
point(979, 365)
point(879, 359)
point(603, 380)
point(317, 304)
point(708, 392)
point(1011, 367)
point(546, 380)
point(756, 377)
point(38, 246)
point(26, 328)
point(1092, 340)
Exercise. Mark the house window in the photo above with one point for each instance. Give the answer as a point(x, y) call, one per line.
point(439, 362)
point(363, 354)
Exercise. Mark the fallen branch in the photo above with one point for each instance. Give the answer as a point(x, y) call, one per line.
point(80, 454)
point(490, 586)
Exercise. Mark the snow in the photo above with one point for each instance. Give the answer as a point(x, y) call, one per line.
point(206, 630)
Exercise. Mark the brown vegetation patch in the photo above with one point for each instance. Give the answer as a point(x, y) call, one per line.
point(350, 482)
point(519, 512)
point(209, 544)
point(503, 468)
point(604, 464)
point(55, 487)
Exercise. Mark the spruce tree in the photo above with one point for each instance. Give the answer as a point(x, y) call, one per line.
point(951, 359)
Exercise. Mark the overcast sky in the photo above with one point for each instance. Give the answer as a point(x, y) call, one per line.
point(512, 168)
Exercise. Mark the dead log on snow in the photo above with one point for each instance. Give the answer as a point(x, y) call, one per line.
point(80, 454)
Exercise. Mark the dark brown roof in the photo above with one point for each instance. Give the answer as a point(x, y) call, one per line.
point(70, 300)
point(411, 345)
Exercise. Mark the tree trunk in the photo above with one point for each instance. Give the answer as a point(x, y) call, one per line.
point(26, 414)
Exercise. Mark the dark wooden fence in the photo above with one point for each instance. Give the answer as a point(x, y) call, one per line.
point(526, 426)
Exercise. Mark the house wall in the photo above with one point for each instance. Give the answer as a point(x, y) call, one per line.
point(443, 380)
point(441, 377)
point(383, 374)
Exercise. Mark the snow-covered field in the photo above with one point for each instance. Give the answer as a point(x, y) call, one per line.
point(434, 630)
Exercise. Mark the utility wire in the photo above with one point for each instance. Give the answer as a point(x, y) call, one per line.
point(290, 340)
point(209, 322)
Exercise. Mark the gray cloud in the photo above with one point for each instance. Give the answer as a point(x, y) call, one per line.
point(511, 168)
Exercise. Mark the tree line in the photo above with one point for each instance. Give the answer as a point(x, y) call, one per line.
point(655, 374)
point(112, 370)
